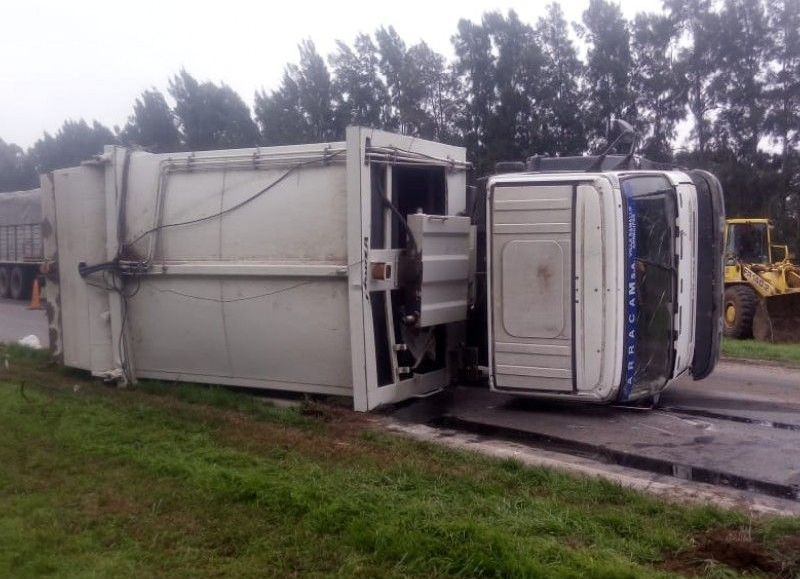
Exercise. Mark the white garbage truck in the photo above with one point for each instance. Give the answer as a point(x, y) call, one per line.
point(354, 268)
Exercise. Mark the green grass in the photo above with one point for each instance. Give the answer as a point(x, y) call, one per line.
point(753, 350)
point(166, 480)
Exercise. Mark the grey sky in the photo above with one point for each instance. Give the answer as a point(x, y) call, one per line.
point(91, 59)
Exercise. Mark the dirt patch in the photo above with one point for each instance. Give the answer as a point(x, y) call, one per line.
point(739, 550)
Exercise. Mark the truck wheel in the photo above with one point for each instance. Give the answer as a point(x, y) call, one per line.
point(740, 307)
point(5, 282)
point(19, 284)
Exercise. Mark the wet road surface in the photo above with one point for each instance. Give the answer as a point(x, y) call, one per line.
point(17, 321)
point(739, 428)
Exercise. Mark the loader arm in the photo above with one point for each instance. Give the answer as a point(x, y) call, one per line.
point(762, 286)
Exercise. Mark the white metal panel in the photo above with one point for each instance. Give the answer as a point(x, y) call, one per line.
point(78, 210)
point(443, 244)
point(590, 292)
point(367, 393)
point(296, 220)
point(533, 277)
point(687, 276)
point(254, 289)
point(271, 329)
point(598, 290)
point(531, 285)
point(362, 346)
point(253, 264)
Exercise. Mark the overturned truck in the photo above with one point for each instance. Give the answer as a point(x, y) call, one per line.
point(364, 269)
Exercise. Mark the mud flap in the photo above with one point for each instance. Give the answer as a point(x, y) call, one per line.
point(710, 281)
point(777, 319)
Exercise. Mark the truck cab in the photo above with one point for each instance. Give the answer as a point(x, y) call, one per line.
point(604, 283)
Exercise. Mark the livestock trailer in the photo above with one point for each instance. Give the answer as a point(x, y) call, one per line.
point(351, 268)
point(20, 242)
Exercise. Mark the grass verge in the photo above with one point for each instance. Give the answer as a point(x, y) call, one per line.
point(753, 350)
point(194, 481)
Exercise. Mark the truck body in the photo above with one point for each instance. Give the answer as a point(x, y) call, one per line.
point(21, 249)
point(354, 269)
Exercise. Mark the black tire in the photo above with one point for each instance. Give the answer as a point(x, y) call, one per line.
point(737, 315)
point(19, 283)
point(5, 282)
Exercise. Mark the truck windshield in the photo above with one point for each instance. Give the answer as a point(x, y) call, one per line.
point(650, 211)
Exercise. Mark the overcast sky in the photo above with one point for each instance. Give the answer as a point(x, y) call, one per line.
point(90, 59)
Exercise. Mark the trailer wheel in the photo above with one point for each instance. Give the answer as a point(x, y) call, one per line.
point(740, 307)
point(5, 282)
point(19, 284)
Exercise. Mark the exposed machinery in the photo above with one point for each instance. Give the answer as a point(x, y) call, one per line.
point(20, 242)
point(352, 268)
point(762, 284)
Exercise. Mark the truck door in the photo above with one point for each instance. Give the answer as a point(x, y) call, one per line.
point(530, 286)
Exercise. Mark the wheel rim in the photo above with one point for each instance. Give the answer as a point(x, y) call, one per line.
point(730, 314)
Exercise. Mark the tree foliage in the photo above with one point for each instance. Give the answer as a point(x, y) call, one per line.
point(152, 124)
point(609, 64)
point(658, 82)
point(721, 77)
point(563, 93)
point(301, 110)
point(359, 92)
point(16, 169)
point(211, 116)
point(74, 142)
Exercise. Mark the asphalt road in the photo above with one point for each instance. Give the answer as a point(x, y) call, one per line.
point(748, 380)
point(738, 428)
point(17, 321)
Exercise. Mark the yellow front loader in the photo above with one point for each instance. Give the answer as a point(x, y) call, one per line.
point(762, 285)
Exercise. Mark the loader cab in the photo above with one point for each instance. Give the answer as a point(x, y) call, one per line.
point(604, 284)
point(750, 241)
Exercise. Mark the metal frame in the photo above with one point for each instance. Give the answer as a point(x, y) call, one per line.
point(365, 147)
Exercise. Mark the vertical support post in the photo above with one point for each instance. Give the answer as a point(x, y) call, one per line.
point(387, 244)
point(357, 249)
point(120, 352)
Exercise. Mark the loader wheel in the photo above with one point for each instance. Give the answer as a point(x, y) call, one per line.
point(19, 284)
point(740, 307)
point(5, 282)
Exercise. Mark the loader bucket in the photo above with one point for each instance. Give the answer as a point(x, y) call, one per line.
point(777, 319)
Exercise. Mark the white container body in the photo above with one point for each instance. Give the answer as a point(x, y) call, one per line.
point(257, 263)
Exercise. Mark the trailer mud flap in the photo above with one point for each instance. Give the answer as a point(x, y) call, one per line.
point(710, 286)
